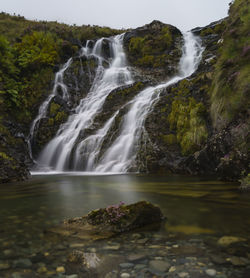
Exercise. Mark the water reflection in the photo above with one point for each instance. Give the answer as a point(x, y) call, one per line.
point(190, 202)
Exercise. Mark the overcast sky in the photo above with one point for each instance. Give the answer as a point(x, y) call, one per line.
point(184, 14)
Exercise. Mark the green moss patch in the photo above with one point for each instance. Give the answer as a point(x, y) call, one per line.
point(187, 120)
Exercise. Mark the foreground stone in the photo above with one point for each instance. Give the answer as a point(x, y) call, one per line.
point(107, 222)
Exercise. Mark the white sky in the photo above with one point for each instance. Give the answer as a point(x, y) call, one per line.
point(184, 14)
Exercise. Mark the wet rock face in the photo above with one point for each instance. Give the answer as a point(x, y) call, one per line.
point(221, 156)
point(107, 222)
point(154, 51)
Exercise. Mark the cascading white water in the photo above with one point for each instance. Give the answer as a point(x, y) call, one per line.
point(58, 84)
point(122, 153)
point(90, 147)
point(65, 146)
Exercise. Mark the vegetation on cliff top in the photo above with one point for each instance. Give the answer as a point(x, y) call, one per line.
point(13, 27)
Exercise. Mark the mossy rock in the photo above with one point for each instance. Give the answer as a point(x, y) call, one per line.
point(245, 183)
point(107, 222)
point(155, 45)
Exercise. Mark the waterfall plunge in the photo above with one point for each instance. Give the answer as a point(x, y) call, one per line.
point(122, 153)
point(64, 148)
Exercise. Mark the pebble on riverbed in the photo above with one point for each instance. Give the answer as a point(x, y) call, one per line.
point(4, 265)
point(22, 263)
point(211, 272)
point(60, 269)
point(158, 265)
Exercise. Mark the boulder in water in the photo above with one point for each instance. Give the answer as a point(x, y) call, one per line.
point(107, 222)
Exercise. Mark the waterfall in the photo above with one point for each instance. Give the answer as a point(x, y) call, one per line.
point(122, 153)
point(64, 151)
point(58, 84)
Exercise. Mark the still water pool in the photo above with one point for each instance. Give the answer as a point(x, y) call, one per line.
point(199, 212)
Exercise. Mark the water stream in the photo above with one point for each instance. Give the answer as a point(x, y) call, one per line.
point(62, 152)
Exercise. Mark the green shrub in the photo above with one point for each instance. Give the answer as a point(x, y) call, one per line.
point(38, 49)
point(9, 85)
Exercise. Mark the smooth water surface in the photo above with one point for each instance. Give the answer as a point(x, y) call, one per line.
point(45, 200)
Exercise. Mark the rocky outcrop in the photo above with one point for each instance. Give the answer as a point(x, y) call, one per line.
point(154, 51)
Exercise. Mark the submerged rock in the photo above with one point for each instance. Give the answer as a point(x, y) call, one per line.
point(160, 266)
point(115, 219)
point(228, 240)
point(91, 265)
